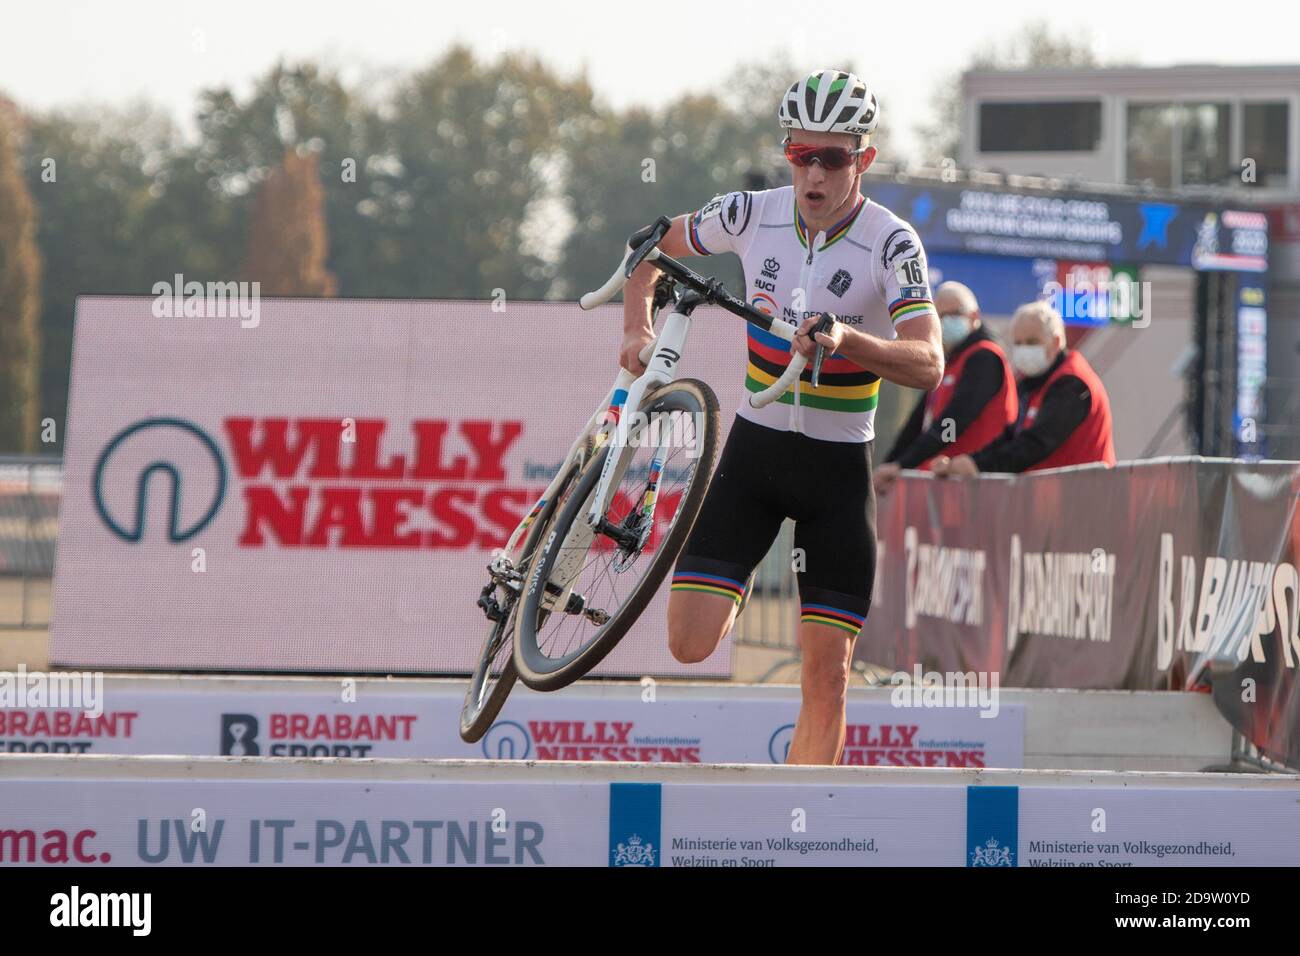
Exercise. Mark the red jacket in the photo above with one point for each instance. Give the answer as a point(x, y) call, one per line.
point(993, 418)
point(1092, 441)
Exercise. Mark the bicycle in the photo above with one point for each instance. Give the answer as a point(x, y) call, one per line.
point(585, 510)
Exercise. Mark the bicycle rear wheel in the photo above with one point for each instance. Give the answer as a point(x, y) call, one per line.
point(494, 676)
point(599, 581)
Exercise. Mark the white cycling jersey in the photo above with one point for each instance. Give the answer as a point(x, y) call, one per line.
point(869, 270)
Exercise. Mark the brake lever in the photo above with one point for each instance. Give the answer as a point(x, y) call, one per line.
point(665, 293)
point(647, 245)
point(824, 325)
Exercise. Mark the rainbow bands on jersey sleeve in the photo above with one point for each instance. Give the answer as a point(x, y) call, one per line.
point(708, 584)
point(901, 309)
point(844, 386)
point(693, 237)
point(825, 614)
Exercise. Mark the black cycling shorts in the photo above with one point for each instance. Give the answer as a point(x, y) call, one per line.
point(765, 476)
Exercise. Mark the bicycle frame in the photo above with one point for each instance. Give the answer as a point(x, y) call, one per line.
point(605, 414)
point(661, 359)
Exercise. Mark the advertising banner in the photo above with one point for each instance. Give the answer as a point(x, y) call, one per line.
point(1175, 573)
point(1077, 226)
point(320, 486)
point(671, 728)
point(589, 822)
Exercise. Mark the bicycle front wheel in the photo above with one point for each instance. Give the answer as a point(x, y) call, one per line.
point(494, 675)
point(597, 581)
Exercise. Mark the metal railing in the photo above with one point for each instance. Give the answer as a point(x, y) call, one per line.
point(30, 490)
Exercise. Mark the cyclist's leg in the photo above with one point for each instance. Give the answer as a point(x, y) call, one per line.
point(735, 528)
point(838, 538)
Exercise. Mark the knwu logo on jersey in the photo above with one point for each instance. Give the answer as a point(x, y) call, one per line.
point(316, 483)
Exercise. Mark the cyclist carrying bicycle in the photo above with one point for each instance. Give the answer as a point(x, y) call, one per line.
point(817, 246)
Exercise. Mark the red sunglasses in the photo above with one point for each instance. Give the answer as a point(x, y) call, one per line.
point(830, 157)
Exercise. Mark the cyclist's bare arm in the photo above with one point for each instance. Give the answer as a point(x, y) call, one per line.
point(914, 359)
point(637, 330)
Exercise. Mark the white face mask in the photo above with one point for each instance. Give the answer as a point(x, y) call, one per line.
point(1029, 360)
point(954, 329)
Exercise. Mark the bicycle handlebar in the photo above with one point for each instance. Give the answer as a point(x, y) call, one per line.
point(615, 284)
point(646, 249)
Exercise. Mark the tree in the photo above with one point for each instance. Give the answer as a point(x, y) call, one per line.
point(20, 280)
point(472, 158)
point(289, 242)
point(116, 216)
point(295, 107)
point(1033, 47)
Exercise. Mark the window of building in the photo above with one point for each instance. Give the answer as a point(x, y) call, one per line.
point(1205, 131)
point(1179, 144)
point(1150, 143)
point(1264, 140)
point(1040, 127)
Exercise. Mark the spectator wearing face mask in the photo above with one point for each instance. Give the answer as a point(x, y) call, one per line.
point(975, 401)
point(1064, 416)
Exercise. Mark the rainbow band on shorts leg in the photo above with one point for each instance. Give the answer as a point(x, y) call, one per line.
point(708, 584)
point(825, 614)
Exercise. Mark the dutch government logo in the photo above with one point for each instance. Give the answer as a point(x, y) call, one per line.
point(507, 740)
point(635, 820)
point(239, 736)
point(992, 825)
point(131, 461)
point(634, 853)
point(991, 854)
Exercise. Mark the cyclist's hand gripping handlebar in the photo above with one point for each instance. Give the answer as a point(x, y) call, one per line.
point(798, 361)
point(643, 246)
point(824, 325)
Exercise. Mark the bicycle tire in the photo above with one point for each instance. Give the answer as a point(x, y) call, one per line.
point(481, 707)
point(533, 666)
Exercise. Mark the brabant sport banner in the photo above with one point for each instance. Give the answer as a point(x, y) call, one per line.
point(209, 718)
point(319, 484)
point(1174, 573)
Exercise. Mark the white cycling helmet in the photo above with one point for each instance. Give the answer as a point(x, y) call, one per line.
point(830, 101)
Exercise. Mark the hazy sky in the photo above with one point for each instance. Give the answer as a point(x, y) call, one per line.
point(60, 52)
